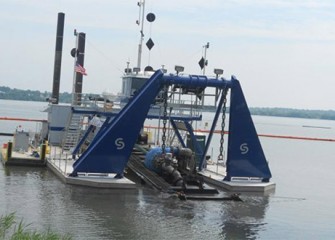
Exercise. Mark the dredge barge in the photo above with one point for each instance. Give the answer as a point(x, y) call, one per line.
point(119, 142)
point(98, 143)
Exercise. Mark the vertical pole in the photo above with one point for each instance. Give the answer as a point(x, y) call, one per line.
point(74, 96)
point(58, 58)
point(204, 72)
point(210, 135)
point(43, 151)
point(139, 57)
point(9, 151)
point(205, 62)
point(78, 77)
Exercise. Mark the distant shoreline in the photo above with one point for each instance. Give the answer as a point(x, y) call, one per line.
point(288, 112)
point(7, 93)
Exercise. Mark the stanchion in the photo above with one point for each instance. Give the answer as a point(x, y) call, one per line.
point(9, 151)
point(43, 151)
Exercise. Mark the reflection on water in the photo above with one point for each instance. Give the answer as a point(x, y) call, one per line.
point(88, 213)
point(301, 208)
point(245, 220)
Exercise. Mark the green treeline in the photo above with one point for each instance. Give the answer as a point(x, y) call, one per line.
point(30, 95)
point(288, 112)
point(296, 113)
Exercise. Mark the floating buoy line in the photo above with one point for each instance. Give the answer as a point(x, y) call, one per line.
point(21, 119)
point(264, 135)
point(198, 130)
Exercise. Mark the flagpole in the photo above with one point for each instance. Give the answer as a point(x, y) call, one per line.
point(78, 54)
point(74, 69)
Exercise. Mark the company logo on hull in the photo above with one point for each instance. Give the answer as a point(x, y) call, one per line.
point(119, 143)
point(244, 148)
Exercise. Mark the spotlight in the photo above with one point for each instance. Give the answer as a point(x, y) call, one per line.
point(218, 72)
point(179, 69)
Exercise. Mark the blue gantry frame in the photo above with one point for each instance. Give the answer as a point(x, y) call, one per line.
point(111, 148)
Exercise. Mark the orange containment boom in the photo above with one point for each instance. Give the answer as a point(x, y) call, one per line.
point(22, 119)
point(266, 135)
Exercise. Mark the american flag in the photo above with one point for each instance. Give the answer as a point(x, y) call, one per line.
point(80, 69)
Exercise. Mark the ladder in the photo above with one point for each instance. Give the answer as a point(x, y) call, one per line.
point(73, 131)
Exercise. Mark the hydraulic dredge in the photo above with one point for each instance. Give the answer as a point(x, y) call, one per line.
point(111, 149)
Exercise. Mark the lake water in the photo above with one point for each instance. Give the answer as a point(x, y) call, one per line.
point(302, 207)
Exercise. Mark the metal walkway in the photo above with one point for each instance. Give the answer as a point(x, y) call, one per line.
point(136, 165)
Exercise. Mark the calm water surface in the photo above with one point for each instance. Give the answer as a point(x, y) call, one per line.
point(302, 207)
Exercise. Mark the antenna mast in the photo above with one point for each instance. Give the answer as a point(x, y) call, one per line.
point(140, 21)
point(205, 58)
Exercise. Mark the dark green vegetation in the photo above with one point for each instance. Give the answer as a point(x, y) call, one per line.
point(11, 229)
point(30, 95)
point(289, 112)
point(296, 113)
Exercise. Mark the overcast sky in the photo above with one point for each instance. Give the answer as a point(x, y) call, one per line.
point(282, 51)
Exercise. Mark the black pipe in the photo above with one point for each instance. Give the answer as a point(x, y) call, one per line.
point(80, 60)
point(172, 175)
point(7, 134)
point(58, 57)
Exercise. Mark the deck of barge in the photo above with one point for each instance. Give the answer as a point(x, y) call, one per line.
point(21, 159)
point(61, 165)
